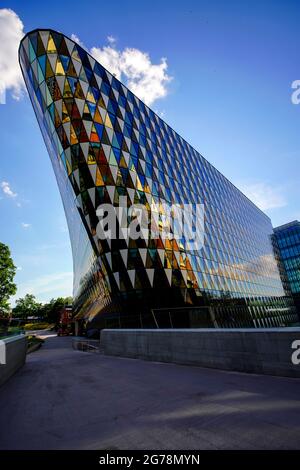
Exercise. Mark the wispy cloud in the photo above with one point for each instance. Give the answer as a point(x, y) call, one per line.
point(11, 33)
point(8, 192)
point(133, 67)
point(265, 196)
point(5, 186)
point(111, 39)
point(75, 38)
point(47, 286)
point(25, 225)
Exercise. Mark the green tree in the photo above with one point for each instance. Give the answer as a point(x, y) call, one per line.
point(52, 310)
point(5, 309)
point(7, 274)
point(27, 307)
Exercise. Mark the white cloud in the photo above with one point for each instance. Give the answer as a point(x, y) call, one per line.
point(265, 196)
point(109, 57)
point(111, 39)
point(11, 33)
point(146, 80)
point(25, 225)
point(77, 40)
point(46, 287)
point(7, 189)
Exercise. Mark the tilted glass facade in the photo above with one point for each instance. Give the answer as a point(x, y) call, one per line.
point(287, 239)
point(105, 144)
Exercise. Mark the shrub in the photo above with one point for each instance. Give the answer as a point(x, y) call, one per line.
point(36, 326)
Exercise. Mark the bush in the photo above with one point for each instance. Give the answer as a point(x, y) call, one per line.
point(36, 326)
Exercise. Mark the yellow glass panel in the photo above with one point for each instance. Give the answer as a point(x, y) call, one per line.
point(123, 163)
point(181, 247)
point(67, 90)
point(168, 244)
point(51, 46)
point(90, 97)
point(73, 136)
point(59, 68)
point(78, 92)
point(69, 169)
point(138, 184)
point(108, 122)
point(86, 113)
point(167, 264)
point(91, 159)
point(65, 114)
point(99, 179)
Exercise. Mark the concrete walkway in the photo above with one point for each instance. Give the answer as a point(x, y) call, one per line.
point(65, 399)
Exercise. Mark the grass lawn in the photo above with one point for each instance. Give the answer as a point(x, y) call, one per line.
point(37, 326)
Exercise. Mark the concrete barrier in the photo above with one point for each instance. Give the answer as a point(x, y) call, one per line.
point(15, 349)
point(263, 351)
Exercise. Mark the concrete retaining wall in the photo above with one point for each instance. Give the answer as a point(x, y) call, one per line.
point(15, 351)
point(263, 351)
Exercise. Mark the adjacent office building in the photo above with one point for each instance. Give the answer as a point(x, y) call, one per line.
point(107, 146)
point(287, 239)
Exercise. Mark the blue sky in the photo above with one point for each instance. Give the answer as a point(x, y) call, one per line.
point(232, 65)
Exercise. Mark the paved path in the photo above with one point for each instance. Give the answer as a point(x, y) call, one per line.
point(65, 399)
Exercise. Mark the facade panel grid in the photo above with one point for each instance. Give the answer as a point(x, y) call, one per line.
point(105, 143)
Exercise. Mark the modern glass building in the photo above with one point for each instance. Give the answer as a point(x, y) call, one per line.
point(287, 239)
point(105, 144)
